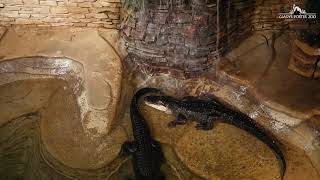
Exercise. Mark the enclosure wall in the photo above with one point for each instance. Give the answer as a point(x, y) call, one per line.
point(78, 13)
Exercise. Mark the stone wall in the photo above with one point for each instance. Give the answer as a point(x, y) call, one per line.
point(266, 15)
point(237, 15)
point(266, 12)
point(78, 13)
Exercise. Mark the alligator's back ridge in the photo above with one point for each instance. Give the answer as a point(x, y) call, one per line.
point(148, 156)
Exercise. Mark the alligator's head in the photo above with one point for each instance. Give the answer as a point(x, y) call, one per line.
point(162, 103)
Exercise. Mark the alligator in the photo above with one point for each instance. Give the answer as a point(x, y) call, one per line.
point(207, 109)
point(147, 156)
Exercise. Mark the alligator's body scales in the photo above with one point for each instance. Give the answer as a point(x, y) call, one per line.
point(206, 110)
point(146, 152)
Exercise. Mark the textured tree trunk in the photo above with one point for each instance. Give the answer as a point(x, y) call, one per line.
point(182, 38)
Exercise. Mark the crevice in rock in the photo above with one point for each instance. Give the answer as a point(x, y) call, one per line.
point(316, 66)
point(3, 32)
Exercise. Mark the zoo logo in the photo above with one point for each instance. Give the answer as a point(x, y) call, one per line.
point(297, 13)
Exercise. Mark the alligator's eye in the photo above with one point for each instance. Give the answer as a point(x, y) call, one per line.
point(160, 102)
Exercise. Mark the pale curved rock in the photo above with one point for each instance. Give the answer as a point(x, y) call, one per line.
point(77, 117)
point(99, 83)
point(54, 141)
point(65, 138)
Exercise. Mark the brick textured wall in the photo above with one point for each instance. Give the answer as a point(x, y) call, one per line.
point(78, 13)
point(266, 14)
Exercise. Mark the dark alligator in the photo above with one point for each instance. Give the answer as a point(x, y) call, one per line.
point(205, 110)
point(146, 152)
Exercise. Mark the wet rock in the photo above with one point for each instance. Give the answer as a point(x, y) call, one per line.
point(307, 135)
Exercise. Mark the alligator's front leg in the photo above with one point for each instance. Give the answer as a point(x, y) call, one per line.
point(180, 120)
point(205, 123)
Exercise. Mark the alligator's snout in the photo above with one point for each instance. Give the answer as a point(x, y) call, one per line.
point(157, 103)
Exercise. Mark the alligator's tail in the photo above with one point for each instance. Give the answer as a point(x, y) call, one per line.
point(279, 155)
point(276, 149)
point(283, 166)
point(246, 123)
